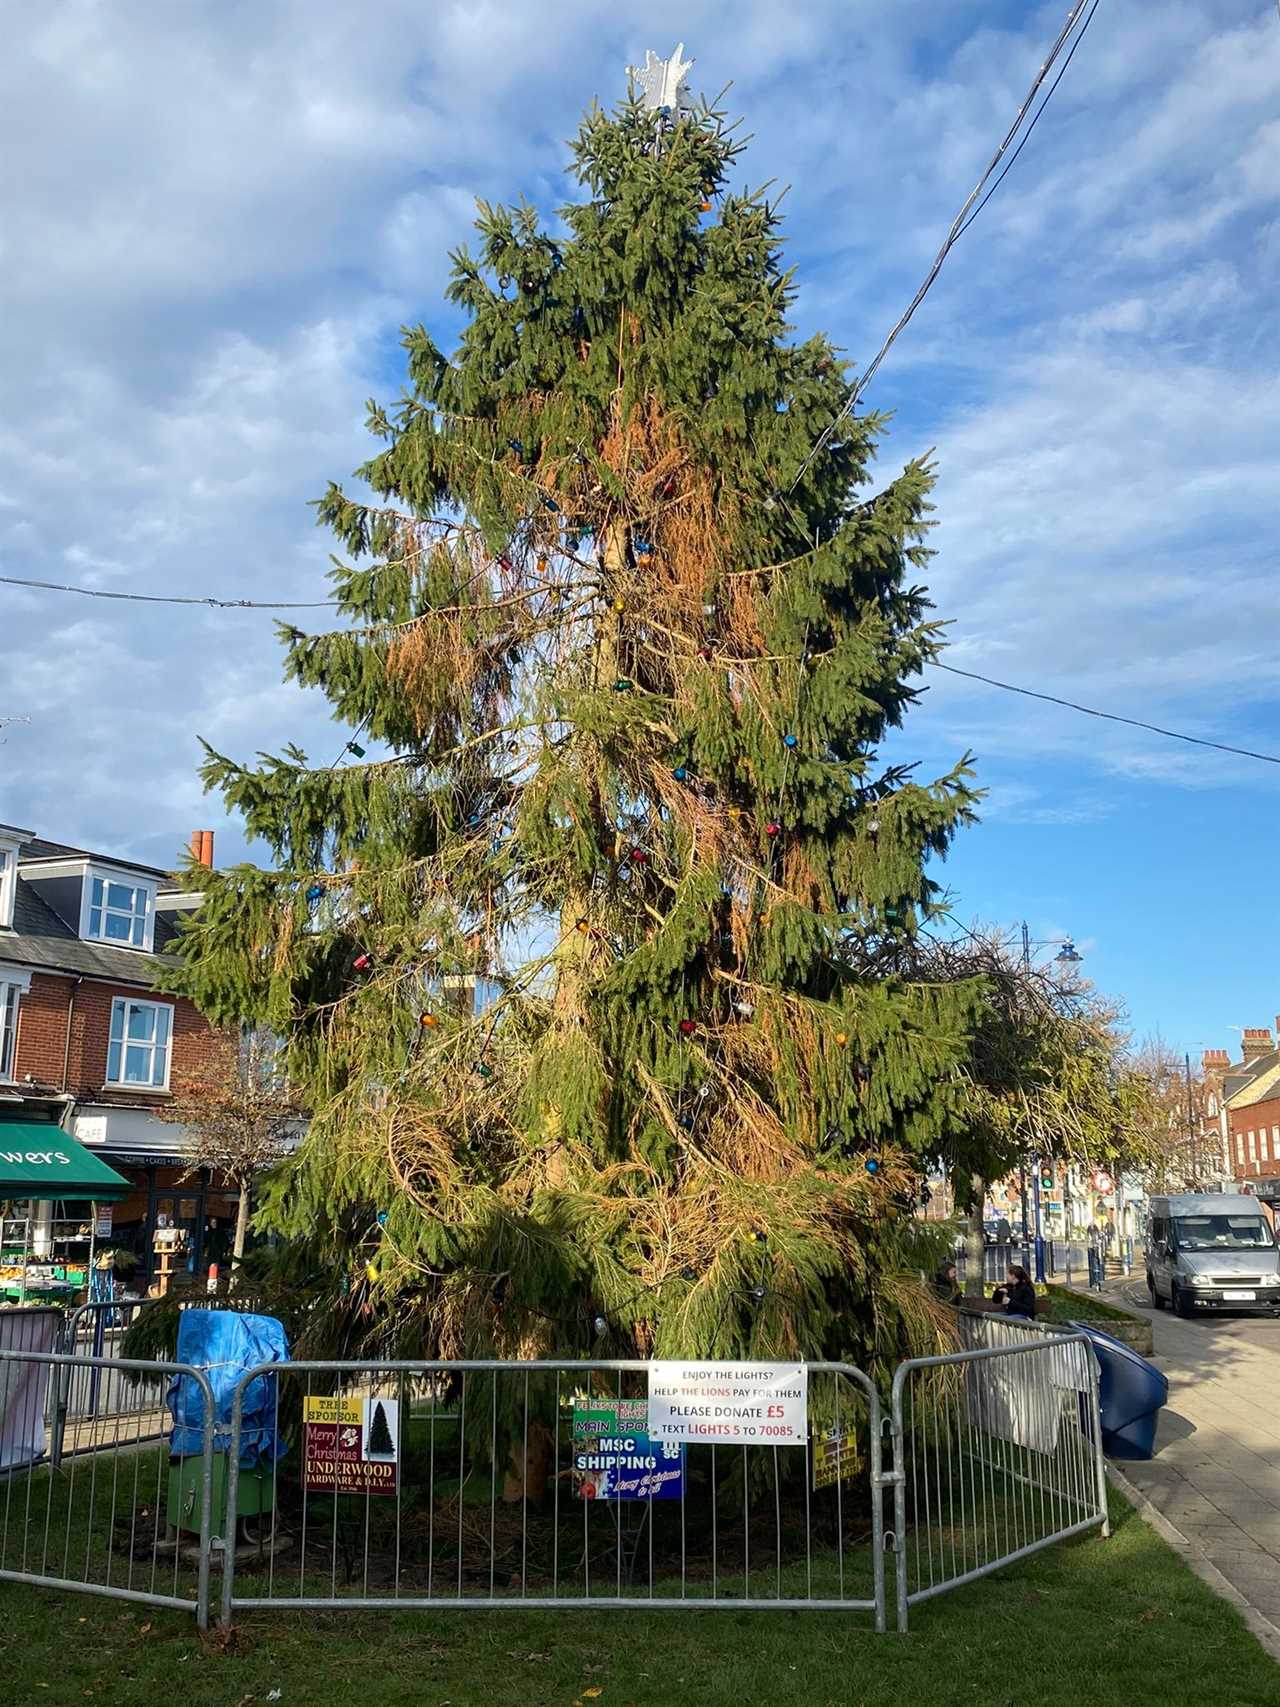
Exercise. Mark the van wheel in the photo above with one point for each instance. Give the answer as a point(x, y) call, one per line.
point(1180, 1305)
point(1157, 1302)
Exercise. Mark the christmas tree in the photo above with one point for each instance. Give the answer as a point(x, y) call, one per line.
point(632, 650)
point(381, 1444)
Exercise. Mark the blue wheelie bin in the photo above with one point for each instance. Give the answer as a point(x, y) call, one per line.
point(1130, 1393)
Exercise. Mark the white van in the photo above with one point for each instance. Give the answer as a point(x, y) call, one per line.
point(1208, 1251)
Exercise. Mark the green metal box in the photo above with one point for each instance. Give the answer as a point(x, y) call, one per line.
point(255, 1493)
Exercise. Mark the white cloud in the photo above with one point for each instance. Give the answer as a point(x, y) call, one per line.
point(220, 213)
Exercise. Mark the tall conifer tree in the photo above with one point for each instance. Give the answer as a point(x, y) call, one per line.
point(633, 656)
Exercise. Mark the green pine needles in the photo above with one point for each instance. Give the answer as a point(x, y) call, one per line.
point(633, 687)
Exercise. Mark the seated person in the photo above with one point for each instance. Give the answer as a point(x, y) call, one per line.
point(1018, 1298)
point(946, 1284)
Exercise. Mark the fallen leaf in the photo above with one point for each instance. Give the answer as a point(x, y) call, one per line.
point(593, 1692)
point(143, 1629)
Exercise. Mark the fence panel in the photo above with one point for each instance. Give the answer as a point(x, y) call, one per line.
point(94, 1399)
point(506, 1484)
point(997, 1454)
point(101, 1519)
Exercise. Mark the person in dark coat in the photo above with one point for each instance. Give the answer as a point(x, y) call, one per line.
point(1018, 1298)
point(946, 1285)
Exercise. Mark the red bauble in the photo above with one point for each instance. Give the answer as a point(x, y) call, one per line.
point(687, 1027)
point(361, 962)
point(639, 857)
point(772, 829)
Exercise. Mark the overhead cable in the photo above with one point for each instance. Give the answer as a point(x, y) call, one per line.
point(957, 226)
point(1110, 716)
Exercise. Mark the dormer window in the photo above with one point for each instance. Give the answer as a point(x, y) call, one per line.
point(8, 882)
point(117, 910)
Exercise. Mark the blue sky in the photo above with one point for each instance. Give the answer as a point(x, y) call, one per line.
point(218, 215)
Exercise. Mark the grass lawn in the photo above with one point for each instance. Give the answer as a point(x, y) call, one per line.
point(1067, 1306)
point(1091, 1623)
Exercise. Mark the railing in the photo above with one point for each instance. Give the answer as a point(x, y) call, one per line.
point(997, 1454)
point(92, 1391)
point(1064, 1259)
point(494, 1496)
point(99, 1522)
point(505, 1484)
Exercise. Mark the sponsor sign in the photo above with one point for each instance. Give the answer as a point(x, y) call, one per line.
point(351, 1445)
point(614, 1457)
point(835, 1457)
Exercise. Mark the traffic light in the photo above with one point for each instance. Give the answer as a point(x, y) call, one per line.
point(1046, 1180)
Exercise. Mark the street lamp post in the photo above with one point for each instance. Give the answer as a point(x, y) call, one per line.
point(1191, 1129)
point(1067, 955)
point(1039, 1246)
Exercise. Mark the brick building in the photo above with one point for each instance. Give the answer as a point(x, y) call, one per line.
point(91, 1043)
point(1250, 1099)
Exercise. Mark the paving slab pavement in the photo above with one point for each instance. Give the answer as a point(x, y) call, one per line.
point(1215, 1479)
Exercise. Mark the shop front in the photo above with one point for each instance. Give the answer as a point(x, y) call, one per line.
point(177, 1221)
point(55, 1200)
point(173, 1225)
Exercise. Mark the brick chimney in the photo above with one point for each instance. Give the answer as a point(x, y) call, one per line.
point(1256, 1042)
point(1215, 1064)
point(202, 848)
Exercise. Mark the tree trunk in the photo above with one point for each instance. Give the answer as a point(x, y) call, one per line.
point(975, 1244)
point(528, 1467)
point(242, 1222)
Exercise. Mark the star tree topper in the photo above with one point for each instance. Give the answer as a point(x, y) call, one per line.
point(661, 81)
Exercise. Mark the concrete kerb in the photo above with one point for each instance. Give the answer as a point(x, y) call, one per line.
point(1196, 1560)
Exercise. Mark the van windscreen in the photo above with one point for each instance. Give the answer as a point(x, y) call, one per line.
point(1221, 1232)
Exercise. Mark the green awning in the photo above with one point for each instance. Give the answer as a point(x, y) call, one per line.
point(46, 1163)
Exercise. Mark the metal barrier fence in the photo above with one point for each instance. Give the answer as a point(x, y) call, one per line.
point(1063, 1258)
point(499, 1496)
point(99, 1521)
point(509, 1484)
point(92, 1396)
point(997, 1454)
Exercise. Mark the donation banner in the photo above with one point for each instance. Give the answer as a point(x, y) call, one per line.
point(753, 1404)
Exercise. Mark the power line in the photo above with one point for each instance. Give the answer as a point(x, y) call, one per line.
point(957, 226)
point(952, 669)
point(170, 598)
point(1035, 119)
point(1111, 716)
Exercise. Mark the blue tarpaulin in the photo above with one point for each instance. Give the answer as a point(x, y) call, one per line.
point(224, 1344)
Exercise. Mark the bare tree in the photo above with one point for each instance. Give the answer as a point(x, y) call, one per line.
point(1046, 1073)
point(1183, 1136)
point(241, 1118)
